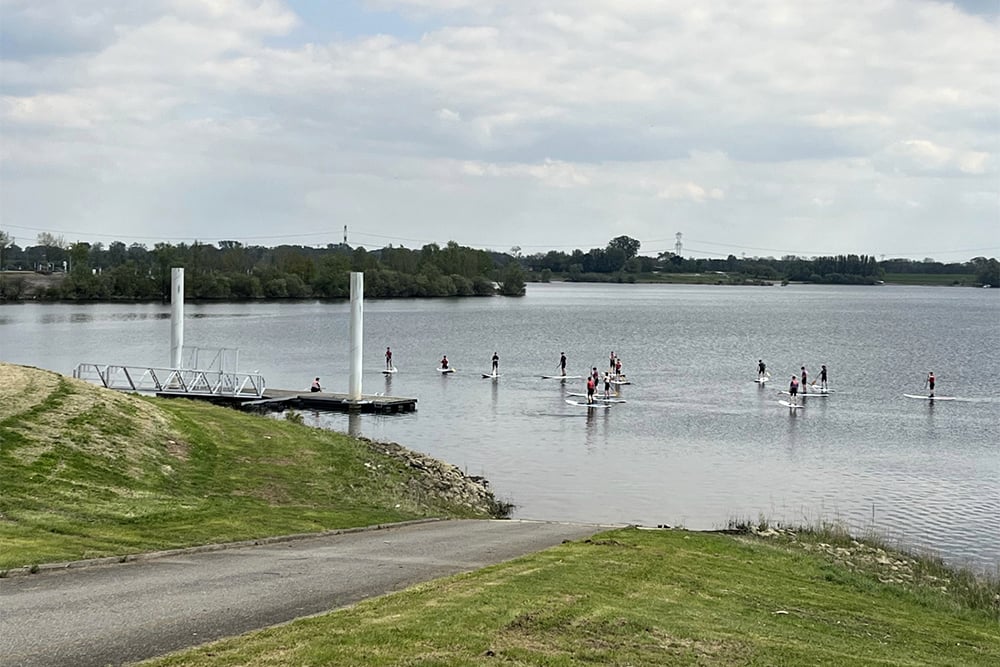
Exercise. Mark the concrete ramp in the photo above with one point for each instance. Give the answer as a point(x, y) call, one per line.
point(126, 612)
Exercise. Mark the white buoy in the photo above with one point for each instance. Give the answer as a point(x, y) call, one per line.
point(357, 333)
point(176, 317)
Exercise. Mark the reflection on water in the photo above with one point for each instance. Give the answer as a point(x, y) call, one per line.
point(354, 424)
point(86, 316)
point(696, 444)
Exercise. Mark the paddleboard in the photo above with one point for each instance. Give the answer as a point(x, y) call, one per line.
point(620, 382)
point(931, 398)
point(488, 375)
point(761, 380)
point(805, 394)
point(596, 404)
point(613, 399)
point(789, 405)
point(562, 377)
point(446, 370)
point(389, 371)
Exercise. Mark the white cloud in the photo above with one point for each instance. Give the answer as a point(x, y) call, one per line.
point(506, 114)
point(921, 155)
point(691, 191)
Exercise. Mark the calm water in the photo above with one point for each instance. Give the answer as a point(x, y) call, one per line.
point(697, 442)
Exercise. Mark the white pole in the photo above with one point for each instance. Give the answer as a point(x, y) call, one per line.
point(357, 333)
point(176, 317)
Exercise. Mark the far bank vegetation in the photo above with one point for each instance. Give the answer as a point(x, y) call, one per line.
point(53, 269)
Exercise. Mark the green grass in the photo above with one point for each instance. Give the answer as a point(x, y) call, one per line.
point(930, 279)
point(635, 597)
point(88, 472)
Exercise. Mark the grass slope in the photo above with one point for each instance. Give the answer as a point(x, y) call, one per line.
point(89, 472)
point(930, 279)
point(636, 597)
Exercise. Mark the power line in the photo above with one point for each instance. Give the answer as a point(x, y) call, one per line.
point(479, 245)
point(327, 234)
point(814, 253)
point(323, 233)
point(64, 232)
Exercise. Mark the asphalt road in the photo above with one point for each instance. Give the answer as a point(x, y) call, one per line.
point(121, 613)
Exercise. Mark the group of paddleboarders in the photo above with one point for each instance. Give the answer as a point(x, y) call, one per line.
point(803, 382)
point(797, 382)
point(613, 374)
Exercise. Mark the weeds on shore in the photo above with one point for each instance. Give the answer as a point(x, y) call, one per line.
point(873, 554)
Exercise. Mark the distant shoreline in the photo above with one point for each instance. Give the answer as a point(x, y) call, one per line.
point(36, 284)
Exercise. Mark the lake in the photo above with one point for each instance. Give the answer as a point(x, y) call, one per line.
point(697, 443)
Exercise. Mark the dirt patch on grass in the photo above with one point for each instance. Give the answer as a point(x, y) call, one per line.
point(22, 388)
point(611, 641)
point(48, 410)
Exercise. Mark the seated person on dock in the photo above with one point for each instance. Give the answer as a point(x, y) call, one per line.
point(315, 386)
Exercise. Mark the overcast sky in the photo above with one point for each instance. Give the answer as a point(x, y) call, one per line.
point(764, 127)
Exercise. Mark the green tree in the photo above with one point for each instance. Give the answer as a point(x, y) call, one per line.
point(512, 280)
point(626, 244)
point(987, 271)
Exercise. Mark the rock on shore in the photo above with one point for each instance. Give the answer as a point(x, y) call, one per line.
point(443, 479)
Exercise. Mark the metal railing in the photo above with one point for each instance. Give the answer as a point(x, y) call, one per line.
point(172, 380)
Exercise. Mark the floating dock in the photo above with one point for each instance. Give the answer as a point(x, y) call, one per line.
point(286, 399)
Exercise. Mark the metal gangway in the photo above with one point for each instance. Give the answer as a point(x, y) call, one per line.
point(200, 382)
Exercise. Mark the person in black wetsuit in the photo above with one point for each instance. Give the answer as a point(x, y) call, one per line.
point(496, 363)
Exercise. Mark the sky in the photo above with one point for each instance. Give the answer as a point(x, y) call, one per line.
point(757, 128)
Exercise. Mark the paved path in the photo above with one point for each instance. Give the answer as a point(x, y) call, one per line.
point(115, 614)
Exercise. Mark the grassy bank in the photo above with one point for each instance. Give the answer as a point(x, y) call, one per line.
point(89, 472)
point(964, 279)
point(636, 597)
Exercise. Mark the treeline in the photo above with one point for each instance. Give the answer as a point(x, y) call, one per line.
point(620, 262)
point(231, 270)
